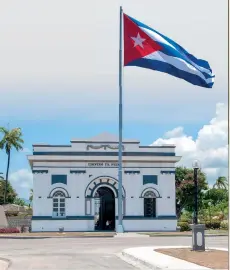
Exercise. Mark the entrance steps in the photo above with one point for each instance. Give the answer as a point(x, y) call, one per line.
point(130, 234)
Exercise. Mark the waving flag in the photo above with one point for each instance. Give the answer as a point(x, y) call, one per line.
point(147, 48)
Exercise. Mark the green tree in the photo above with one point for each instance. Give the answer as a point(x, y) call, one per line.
point(11, 139)
point(216, 196)
point(185, 189)
point(31, 195)
point(19, 201)
point(221, 183)
point(11, 193)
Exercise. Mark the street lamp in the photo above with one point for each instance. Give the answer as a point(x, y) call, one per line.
point(196, 167)
point(209, 210)
point(198, 238)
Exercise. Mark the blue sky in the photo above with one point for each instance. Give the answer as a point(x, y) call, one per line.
point(59, 78)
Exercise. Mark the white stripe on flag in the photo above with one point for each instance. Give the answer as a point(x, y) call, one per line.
point(156, 37)
point(177, 63)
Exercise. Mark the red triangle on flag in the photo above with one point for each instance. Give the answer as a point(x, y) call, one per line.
point(137, 43)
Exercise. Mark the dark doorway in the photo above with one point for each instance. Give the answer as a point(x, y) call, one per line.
point(150, 207)
point(104, 209)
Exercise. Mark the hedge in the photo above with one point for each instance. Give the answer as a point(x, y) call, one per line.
point(213, 224)
point(224, 225)
point(9, 230)
point(184, 226)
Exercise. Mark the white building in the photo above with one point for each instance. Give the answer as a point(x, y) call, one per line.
point(76, 186)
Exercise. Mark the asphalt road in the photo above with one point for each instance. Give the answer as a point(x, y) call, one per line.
point(83, 253)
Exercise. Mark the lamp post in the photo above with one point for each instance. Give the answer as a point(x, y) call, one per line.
point(196, 166)
point(198, 238)
point(209, 210)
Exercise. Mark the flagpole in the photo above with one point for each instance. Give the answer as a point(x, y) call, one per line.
point(120, 214)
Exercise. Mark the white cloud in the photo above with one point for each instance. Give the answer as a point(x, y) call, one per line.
point(210, 147)
point(26, 150)
point(21, 181)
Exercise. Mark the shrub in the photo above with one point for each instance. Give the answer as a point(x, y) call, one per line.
point(213, 224)
point(184, 219)
point(184, 226)
point(224, 225)
point(9, 230)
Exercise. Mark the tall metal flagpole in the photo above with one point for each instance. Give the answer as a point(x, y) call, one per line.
point(120, 225)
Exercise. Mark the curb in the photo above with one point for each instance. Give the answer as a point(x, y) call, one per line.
point(50, 237)
point(103, 236)
point(135, 259)
point(4, 264)
point(161, 261)
point(185, 235)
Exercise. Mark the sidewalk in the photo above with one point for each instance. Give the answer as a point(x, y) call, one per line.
point(42, 235)
point(4, 264)
point(147, 257)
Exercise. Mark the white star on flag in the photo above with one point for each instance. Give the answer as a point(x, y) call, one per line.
point(138, 41)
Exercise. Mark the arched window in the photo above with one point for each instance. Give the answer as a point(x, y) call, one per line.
point(149, 204)
point(59, 204)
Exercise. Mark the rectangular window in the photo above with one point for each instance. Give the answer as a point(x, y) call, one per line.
point(150, 179)
point(59, 206)
point(59, 179)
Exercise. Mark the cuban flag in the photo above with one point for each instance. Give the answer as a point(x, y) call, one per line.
point(145, 47)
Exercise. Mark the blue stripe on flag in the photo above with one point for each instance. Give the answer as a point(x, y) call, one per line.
point(170, 69)
point(174, 53)
point(170, 51)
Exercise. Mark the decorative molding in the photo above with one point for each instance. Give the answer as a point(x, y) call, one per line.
point(124, 167)
point(77, 171)
point(92, 218)
point(39, 171)
point(167, 172)
point(105, 146)
point(58, 189)
point(99, 181)
point(132, 172)
point(150, 218)
point(156, 192)
point(107, 154)
point(67, 217)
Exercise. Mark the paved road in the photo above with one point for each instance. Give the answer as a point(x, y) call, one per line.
point(83, 253)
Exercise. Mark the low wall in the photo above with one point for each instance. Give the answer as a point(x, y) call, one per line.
point(68, 225)
point(149, 225)
point(15, 222)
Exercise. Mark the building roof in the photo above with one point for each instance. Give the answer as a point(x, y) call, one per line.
point(105, 137)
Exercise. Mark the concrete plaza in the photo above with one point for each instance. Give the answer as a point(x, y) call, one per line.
point(84, 253)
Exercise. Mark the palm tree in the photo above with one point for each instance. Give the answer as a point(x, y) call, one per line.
point(221, 183)
point(11, 139)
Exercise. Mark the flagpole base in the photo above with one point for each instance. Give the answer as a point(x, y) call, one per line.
point(120, 229)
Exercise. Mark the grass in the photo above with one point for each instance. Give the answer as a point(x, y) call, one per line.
point(189, 233)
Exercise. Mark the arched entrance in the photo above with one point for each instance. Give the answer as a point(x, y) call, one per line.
point(104, 209)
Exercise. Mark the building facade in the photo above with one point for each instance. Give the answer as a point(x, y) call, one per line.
point(75, 186)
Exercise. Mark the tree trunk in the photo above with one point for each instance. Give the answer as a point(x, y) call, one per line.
point(7, 173)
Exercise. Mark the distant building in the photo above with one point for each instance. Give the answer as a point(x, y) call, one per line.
point(76, 186)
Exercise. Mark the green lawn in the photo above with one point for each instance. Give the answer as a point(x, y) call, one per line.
point(207, 232)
